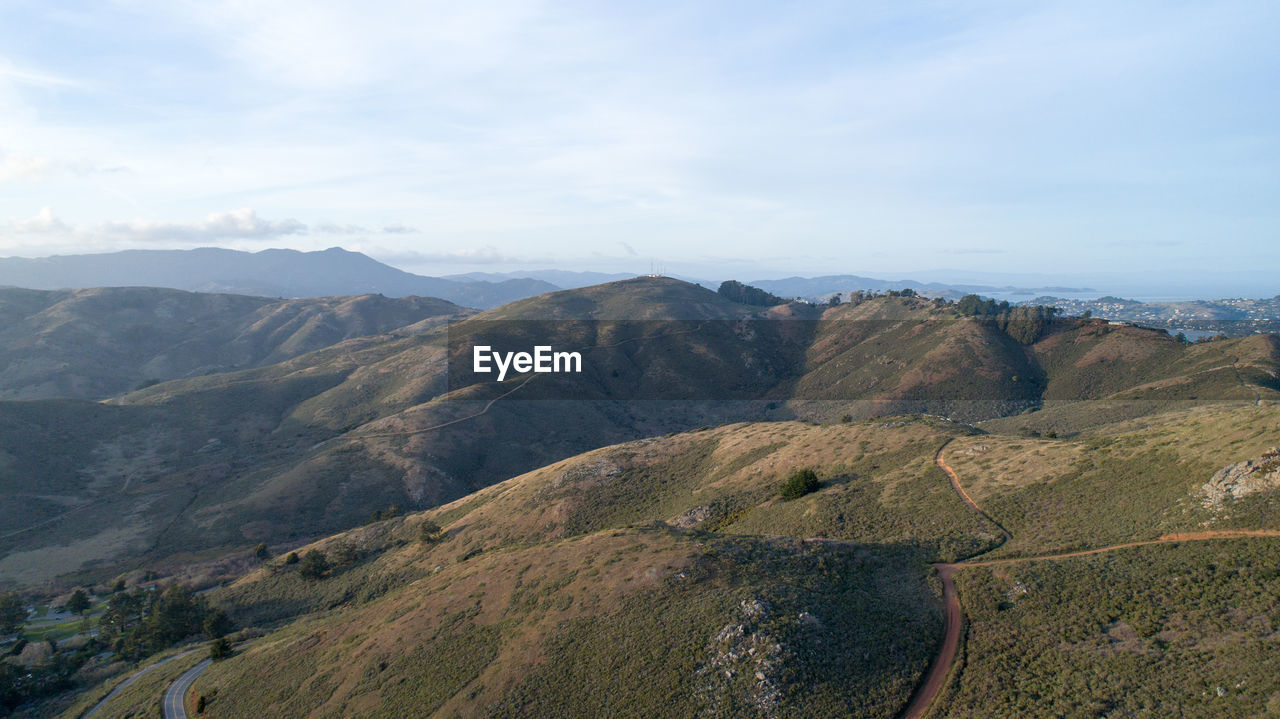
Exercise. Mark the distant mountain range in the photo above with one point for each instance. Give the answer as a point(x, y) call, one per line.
point(269, 273)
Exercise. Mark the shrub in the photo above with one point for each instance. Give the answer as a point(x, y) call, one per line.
point(430, 532)
point(313, 566)
point(220, 649)
point(800, 483)
point(292, 558)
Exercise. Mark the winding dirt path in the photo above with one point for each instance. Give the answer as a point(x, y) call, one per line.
point(929, 689)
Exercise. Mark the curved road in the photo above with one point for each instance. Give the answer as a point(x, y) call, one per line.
point(174, 706)
point(125, 684)
point(940, 668)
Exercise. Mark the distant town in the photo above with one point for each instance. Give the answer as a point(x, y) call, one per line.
point(1198, 318)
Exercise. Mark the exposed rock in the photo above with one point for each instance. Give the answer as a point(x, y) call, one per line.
point(754, 608)
point(693, 517)
point(744, 666)
point(598, 471)
point(1242, 479)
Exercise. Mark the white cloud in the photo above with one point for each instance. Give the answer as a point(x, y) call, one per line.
point(239, 224)
point(43, 223)
point(15, 167)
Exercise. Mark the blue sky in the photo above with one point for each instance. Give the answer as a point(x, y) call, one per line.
point(756, 138)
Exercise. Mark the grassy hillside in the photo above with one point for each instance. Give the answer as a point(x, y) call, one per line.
point(615, 623)
point(1131, 480)
point(667, 577)
point(1179, 630)
point(96, 343)
point(538, 581)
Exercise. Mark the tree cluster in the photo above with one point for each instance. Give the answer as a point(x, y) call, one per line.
point(142, 622)
point(1023, 323)
point(746, 294)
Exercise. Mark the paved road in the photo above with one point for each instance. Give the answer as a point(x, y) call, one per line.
point(936, 677)
point(125, 684)
point(174, 707)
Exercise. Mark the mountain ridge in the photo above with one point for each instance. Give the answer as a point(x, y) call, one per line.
point(269, 273)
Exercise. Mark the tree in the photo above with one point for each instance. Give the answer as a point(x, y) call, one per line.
point(79, 602)
point(217, 624)
point(12, 613)
point(261, 551)
point(119, 586)
point(313, 566)
point(292, 558)
point(800, 483)
point(220, 649)
point(429, 532)
point(124, 612)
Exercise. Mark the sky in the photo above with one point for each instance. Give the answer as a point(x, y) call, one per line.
point(756, 138)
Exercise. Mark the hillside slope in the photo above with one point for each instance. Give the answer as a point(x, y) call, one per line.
point(574, 575)
point(317, 443)
point(98, 343)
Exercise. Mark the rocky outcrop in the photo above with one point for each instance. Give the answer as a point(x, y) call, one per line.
point(744, 665)
point(1242, 479)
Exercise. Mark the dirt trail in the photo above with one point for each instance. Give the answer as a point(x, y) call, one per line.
point(935, 679)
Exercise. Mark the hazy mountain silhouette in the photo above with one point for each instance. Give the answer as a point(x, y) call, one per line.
point(269, 273)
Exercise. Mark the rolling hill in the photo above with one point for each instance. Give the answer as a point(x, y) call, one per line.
point(316, 443)
point(666, 576)
point(102, 342)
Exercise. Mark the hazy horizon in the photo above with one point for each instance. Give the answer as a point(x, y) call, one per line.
point(1078, 138)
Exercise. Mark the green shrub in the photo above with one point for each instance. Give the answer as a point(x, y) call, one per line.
point(220, 649)
point(800, 483)
point(314, 565)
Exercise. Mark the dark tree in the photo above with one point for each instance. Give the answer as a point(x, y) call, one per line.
point(314, 565)
point(429, 532)
point(12, 613)
point(217, 624)
point(292, 558)
point(261, 551)
point(800, 483)
point(220, 649)
point(79, 602)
